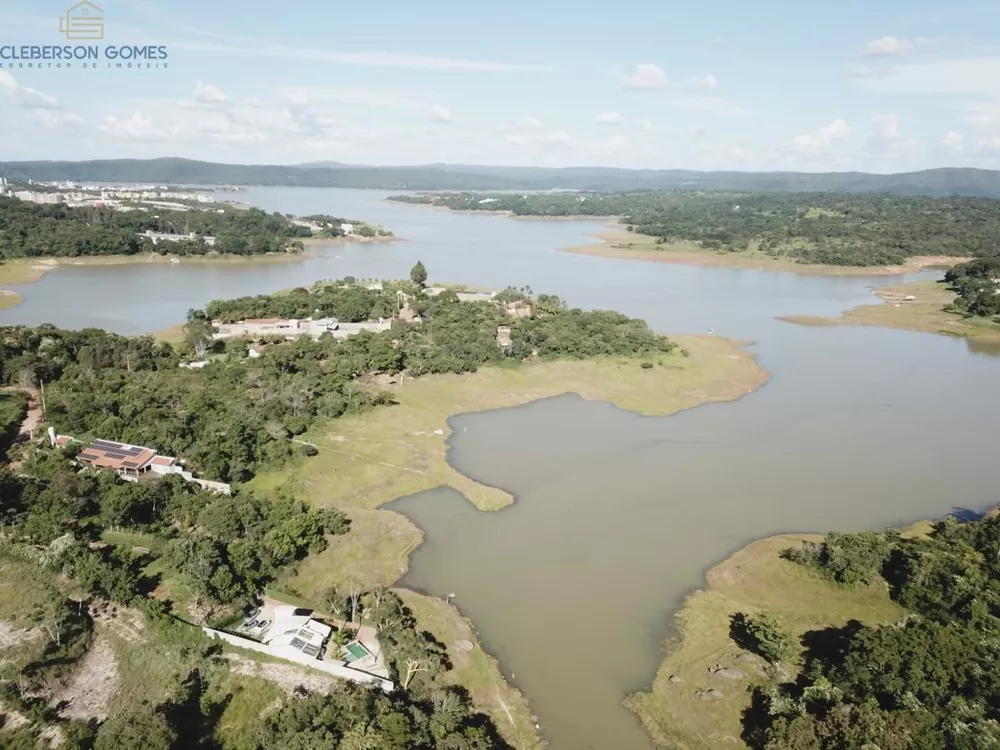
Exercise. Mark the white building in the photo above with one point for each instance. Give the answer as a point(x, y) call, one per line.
point(347, 228)
point(294, 632)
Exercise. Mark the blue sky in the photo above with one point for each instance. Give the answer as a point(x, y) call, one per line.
point(717, 84)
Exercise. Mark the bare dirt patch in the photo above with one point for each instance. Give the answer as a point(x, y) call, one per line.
point(10, 637)
point(91, 686)
point(125, 623)
point(285, 676)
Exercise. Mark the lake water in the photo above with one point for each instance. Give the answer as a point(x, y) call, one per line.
point(618, 516)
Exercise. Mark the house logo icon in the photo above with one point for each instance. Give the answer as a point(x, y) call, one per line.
point(82, 21)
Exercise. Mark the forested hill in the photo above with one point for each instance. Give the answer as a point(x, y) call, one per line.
point(979, 182)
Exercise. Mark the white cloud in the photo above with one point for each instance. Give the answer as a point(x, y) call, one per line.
point(136, 127)
point(646, 125)
point(886, 126)
point(953, 141)
point(967, 76)
point(646, 76)
point(206, 93)
point(517, 140)
point(559, 139)
point(888, 46)
point(243, 47)
point(870, 71)
point(54, 119)
point(707, 81)
point(439, 113)
point(823, 137)
point(715, 105)
point(25, 96)
point(613, 145)
point(989, 146)
point(609, 118)
point(529, 123)
point(303, 95)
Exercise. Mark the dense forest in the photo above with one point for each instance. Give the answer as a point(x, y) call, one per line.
point(469, 177)
point(927, 682)
point(978, 286)
point(848, 230)
point(32, 230)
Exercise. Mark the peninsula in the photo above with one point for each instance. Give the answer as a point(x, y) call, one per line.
point(966, 303)
point(799, 232)
point(310, 432)
point(45, 226)
point(848, 640)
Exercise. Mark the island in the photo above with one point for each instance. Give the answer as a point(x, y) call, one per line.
point(871, 639)
point(798, 232)
point(192, 546)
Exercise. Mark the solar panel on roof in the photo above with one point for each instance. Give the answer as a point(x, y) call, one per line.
point(311, 650)
point(106, 444)
point(298, 643)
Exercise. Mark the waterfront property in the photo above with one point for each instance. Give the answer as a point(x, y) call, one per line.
point(133, 461)
point(292, 328)
point(298, 636)
point(157, 237)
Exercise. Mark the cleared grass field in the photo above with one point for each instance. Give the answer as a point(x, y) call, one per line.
point(752, 580)
point(618, 244)
point(924, 313)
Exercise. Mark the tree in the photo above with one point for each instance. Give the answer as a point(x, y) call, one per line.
point(418, 274)
point(761, 634)
point(136, 726)
point(198, 332)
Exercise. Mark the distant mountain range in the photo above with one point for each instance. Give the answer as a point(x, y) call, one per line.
point(981, 182)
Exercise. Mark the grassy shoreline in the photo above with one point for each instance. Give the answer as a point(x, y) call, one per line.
point(619, 244)
point(753, 579)
point(353, 239)
point(616, 242)
point(371, 459)
point(924, 313)
point(28, 270)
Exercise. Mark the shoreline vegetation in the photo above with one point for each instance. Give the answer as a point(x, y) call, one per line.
point(315, 435)
point(799, 232)
point(622, 245)
point(675, 710)
point(374, 458)
point(755, 578)
point(912, 306)
point(36, 237)
point(17, 271)
point(840, 640)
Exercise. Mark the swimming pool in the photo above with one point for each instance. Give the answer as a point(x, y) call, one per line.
point(355, 651)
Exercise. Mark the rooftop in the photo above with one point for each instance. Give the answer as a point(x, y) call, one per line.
point(111, 455)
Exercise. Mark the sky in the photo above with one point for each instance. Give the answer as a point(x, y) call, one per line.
point(717, 84)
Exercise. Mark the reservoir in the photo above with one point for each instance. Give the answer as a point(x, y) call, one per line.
point(618, 516)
